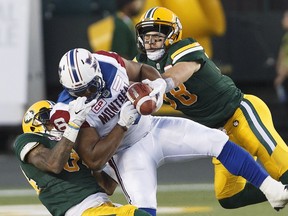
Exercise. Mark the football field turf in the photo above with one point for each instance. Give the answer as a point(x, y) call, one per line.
point(176, 200)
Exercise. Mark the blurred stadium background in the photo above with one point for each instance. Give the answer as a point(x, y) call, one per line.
point(34, 35)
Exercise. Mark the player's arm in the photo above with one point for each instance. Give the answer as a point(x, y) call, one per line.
point(96, 151)
point(106, 182)
point(180, 73)
point(149, 76)
point(51, 160)
point(137, 72)
point(54, 159)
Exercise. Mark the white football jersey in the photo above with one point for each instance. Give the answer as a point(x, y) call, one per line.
point(104, 115)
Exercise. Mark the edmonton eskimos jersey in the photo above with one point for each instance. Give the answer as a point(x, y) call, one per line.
point(207, 97)
point(65, 189)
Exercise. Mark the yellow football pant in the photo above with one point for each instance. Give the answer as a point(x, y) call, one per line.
point(110, 209)
point(252, 128)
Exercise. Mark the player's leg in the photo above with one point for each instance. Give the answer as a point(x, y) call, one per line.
point(110, 209)
point(182, 139)
point(136, 172)
point(196, 140)
point(260, 139)
point(232, 191)
point(252, 128)
point(241, 163)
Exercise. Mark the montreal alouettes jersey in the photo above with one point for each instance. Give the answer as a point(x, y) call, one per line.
point(104, 115)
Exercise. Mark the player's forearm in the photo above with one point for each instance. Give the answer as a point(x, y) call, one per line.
point(103, 150)
point(148, 72)
point(59, 155)
point(51, 160)
point(181, 72)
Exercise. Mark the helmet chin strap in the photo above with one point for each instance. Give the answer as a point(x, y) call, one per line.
point(155, 54)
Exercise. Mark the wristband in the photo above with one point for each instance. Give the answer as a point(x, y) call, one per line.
point(170, 84)
point(73, 125)
point(71, 132)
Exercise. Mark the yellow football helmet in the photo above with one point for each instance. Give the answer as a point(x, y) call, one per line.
point(162, 20)
point(37, 117)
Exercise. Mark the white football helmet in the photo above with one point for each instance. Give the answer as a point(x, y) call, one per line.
point(79, 73)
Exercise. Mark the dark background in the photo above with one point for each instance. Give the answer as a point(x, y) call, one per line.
point(246, 52)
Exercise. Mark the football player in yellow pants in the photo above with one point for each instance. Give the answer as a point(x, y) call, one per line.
point(252, 123)
point(63, 182)
point(196, 87)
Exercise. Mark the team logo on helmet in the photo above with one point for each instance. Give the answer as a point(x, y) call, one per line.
point(28, 116)
point(89, 59)
point(95, 65)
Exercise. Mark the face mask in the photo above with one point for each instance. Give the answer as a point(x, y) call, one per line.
point(155, 55)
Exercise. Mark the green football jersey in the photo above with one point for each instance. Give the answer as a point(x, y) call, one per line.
point(207, 97)
point(57, 192)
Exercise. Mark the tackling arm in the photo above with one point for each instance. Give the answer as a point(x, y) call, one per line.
point(138, 72)
point(54, 159)
point(94, 150)
point(51, 160)
point(180, 73)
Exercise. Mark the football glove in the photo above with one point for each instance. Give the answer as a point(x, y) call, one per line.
point(158, 89)
point(78, 111)
point(128, 115)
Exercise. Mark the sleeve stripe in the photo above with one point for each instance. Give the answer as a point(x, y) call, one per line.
point(195, 44)
point(27, 148)
point(184, 50)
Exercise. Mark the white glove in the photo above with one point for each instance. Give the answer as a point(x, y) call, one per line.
point(78, 111)
point(158, 89)
point(128, 115)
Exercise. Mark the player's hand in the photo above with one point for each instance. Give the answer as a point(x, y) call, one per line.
point(158, 88)
point(128, 115)
point(78, 111)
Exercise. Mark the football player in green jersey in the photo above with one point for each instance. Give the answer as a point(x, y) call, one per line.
point(63, 182)
point(196, 87)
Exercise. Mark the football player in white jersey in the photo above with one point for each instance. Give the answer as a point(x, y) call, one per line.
point(136, 145)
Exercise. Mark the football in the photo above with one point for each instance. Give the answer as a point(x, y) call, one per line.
point(138, 94)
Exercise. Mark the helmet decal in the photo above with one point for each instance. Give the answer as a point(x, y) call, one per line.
point(29, 115)
point(95, 64)
point(149, 13)
point(89, 59)
point(75, 70)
